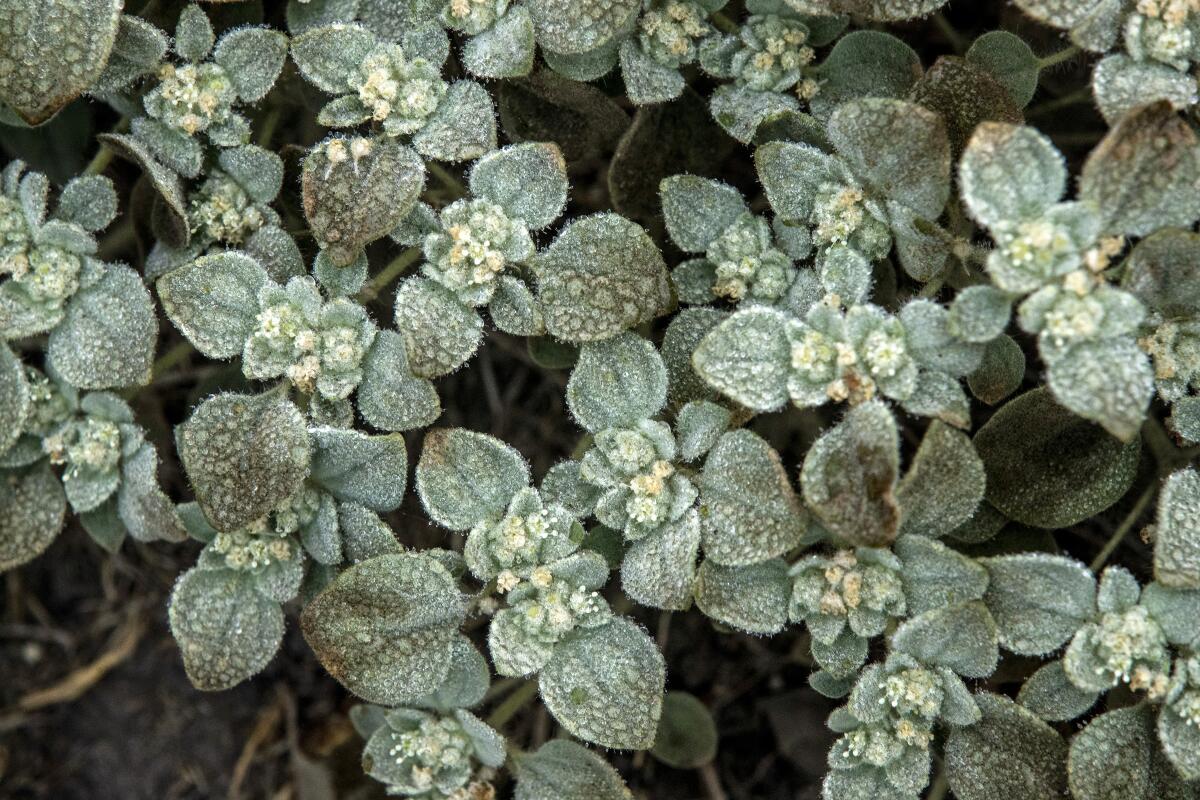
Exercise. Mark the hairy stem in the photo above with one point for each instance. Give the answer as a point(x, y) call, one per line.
point(389, 273)
point(1125, 527)
point(1065, 54)
point(169, 359)
point(513, 704)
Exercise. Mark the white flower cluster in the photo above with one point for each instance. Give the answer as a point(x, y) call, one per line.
point(433, 759)
point(399, 91)
point(192, 98)
point(747, 262)
point(1163, 30)
point(774, 53)
point(671, 32)
point(221, 210)
point(319, 346)
point(469, 251)
point(836, 356)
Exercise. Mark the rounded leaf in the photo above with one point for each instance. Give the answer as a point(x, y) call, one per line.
point(753, 598)
point(52, 51)
point(605, 685)
point(561, 768)
point(465, 477)
point(386, 627)
point(1038, 600)
point(1047, 467)
point(357, 190)
point(32, 508)
point(602, 275)
point(108, 335)
point(1010, 753)
point(687, 735)
point(352, 466)
point(226, 630)
point(244, 454)
point(529, 181)
point(617, 383)
point(748, 508)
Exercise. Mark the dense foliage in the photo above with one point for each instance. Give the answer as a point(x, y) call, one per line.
point(853, 348)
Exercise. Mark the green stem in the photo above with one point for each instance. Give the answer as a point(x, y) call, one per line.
point(1065, 54)
point(269, 124)
point(512, 704)
point(723, 23)
point(1125, 527)
point(1072, 99)
point(447, 179)
point(104, 155)
point(392, 271)
point(952, 35)
point(171, 358)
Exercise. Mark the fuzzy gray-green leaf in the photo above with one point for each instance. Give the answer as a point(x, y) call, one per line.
point(561, 768)
point(1009, 753)
point(108, 335)
point(226, 630)
point(698, 210)
point(605, 685)
point(960, 637)
point(253, 58)
point(943, 486)
point(1038, 600)
point(1177, 535)
point(352, 197)
point(386, 627)
point(748, 358)
point(390, 397)
point(352, 466)
point(749, 510)
point(617, 383)
point(52, 51)
point(1047, 467)
point(214, 301)
point(464, 477)
point(1050, 695)
point(32, 508)
point(244, 454)
point(528, 181)
point(849, 476)
point(602, 275)
point(752, 598)
point(1145, 174)
point(440, 332)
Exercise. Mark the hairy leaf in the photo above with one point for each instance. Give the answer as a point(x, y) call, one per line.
point(244, 454)
point(605, 685)
point(1048, 468)
point(226, 630)
point(617, 383)
point(749, 511)
point(464, 477)
point(386, 627)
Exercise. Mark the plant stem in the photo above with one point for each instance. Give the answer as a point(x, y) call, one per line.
point(1057, 58)
point(447, 179)
point(170, 358)
point(1125, 527)
point(512, 704)
point(389, 274)
point(104, 155)
point(939, 788)
point(1074, 98)
point(723, 23)
point(952, 35)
